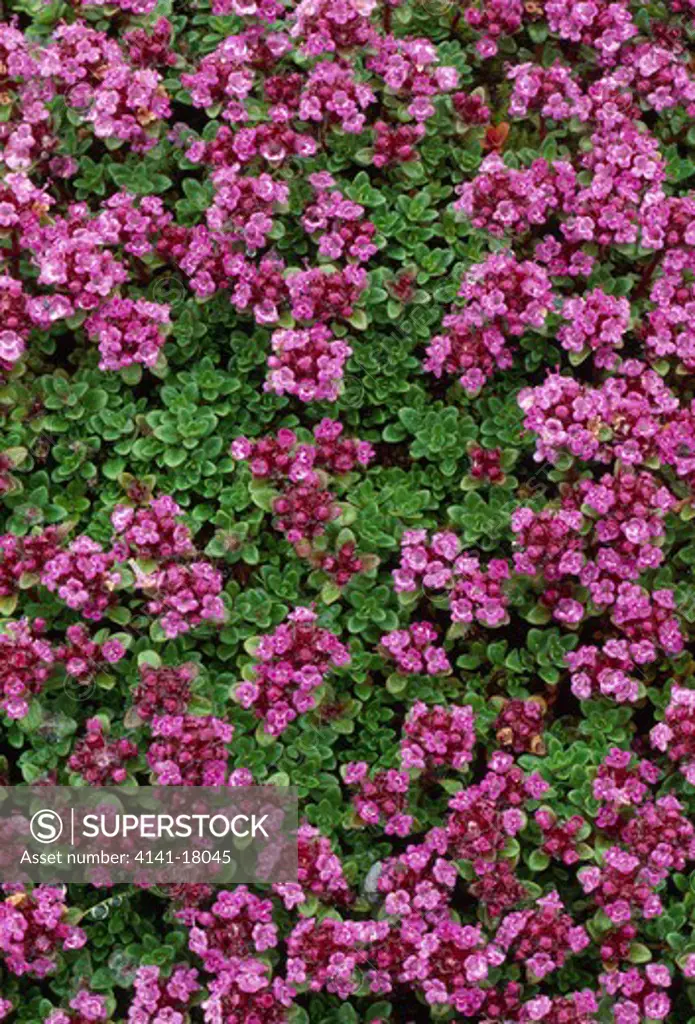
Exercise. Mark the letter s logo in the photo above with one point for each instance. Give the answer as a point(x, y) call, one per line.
point(46, 826)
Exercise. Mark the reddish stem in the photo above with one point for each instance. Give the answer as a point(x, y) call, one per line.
point(647, 275)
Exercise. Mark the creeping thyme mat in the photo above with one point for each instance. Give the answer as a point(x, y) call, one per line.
point(347, 440)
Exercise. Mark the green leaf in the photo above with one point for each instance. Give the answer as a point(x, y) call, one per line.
point(538, 861)
point(639, 954)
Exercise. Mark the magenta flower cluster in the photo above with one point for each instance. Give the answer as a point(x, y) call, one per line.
point(290, 665)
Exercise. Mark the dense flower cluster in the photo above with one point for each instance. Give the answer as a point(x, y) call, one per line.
point(621, 782)
point(328, 953)
point(599, 423)
point(83, 656)
point(639, 994)
point(183, 596)
point(436, 736)
point(596, 321)
point(27, 660)
point(291, 664)
point(519, 726)
point(321, 295)
point(32, 930)
point(675, 736)
point(188, 750)
point(158, 998)
point(24, 557)
point(502, 200)
point(308, 364)
point(337, 223)
point(560, 839)
point(381, 798)
point(504, 299)
point(237, 924)
point(542, 936)
point(474, 593)
point(414, 650)
point(244, 991)
point(319, 872)
point(128, 332)
point(483, 816)
point(86, 1007)
point(305, 506)
point(83, 576)
point(153, 532)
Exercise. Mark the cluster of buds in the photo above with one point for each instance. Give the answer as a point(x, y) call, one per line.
point(344, 564)
point(486, 464)
point(497, 887)
point(165, 690)
point(560, 839)
point(396, 144)
point(99, 760)
point(519, 726)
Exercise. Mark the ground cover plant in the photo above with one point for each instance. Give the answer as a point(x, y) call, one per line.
point(347, 439)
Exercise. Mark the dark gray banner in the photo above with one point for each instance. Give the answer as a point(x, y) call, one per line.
point(148, 835)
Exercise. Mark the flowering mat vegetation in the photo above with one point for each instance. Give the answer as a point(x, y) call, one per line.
point(348, 440)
